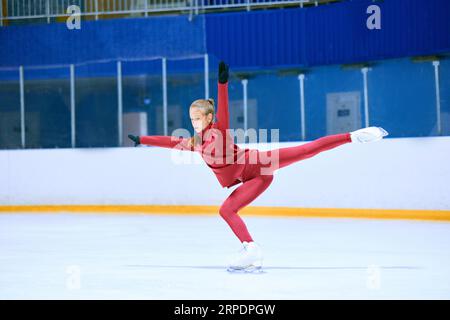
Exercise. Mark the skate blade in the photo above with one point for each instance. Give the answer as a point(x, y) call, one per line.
point(249, 269)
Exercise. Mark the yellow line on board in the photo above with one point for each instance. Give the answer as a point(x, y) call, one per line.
point(439, 215)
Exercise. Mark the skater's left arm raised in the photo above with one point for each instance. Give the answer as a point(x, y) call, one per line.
point(222, 103)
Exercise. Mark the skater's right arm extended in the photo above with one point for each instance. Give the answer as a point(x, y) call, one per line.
point(172, 142)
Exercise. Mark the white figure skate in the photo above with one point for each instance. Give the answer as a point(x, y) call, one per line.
point(249, 259)
point(369, 134)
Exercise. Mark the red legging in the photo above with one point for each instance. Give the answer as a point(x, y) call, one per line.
point(254, 183)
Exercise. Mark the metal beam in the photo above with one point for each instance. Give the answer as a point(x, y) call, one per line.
point(366, 96)
point(22, 107)
point(164, 80)
point(119, 103)
point(206, 60)
point(72, 106)
point(438, 96)
point(301, 78)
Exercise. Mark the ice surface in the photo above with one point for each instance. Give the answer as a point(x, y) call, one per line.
point(108, 256)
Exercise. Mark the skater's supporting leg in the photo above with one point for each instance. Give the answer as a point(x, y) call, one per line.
point(239, 198)
point(289, 155)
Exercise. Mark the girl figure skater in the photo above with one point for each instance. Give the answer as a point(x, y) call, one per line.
point(251, 167)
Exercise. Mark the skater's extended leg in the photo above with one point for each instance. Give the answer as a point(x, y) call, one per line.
point(239, 198)
point(282, 157)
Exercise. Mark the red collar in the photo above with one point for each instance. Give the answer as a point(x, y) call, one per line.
point(209, 126)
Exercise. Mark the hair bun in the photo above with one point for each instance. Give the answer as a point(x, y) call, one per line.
point(210, 100)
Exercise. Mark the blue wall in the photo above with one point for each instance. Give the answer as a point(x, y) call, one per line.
point(101, 40)
point(328, 34)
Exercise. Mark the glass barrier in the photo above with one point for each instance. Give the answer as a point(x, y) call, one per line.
point(142, 99)
point(114, 99)
point(274, 102)
point(402, 98)
point(334, 98)
point(47, 108)
point(444, 81)
point(10, 126)
point(185, 84)
point(96, 100)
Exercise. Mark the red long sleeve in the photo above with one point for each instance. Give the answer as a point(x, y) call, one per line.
point(223, 121)
point(166, 142)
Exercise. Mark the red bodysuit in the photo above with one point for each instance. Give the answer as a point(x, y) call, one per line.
point(233, 165)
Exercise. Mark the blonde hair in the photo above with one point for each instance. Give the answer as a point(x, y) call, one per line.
point(207, 107)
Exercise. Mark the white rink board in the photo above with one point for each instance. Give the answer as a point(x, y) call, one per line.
point(404, 173)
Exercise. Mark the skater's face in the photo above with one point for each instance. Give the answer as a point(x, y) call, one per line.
point(198, 119)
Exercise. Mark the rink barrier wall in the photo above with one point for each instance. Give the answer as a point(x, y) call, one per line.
point(432, 215)
point(397, 178)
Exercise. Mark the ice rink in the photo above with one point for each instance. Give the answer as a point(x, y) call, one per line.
point(111, 256)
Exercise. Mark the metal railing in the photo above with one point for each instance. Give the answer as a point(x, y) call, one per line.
point(11, 10)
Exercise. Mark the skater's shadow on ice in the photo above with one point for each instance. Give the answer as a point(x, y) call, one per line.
point(274, 267)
